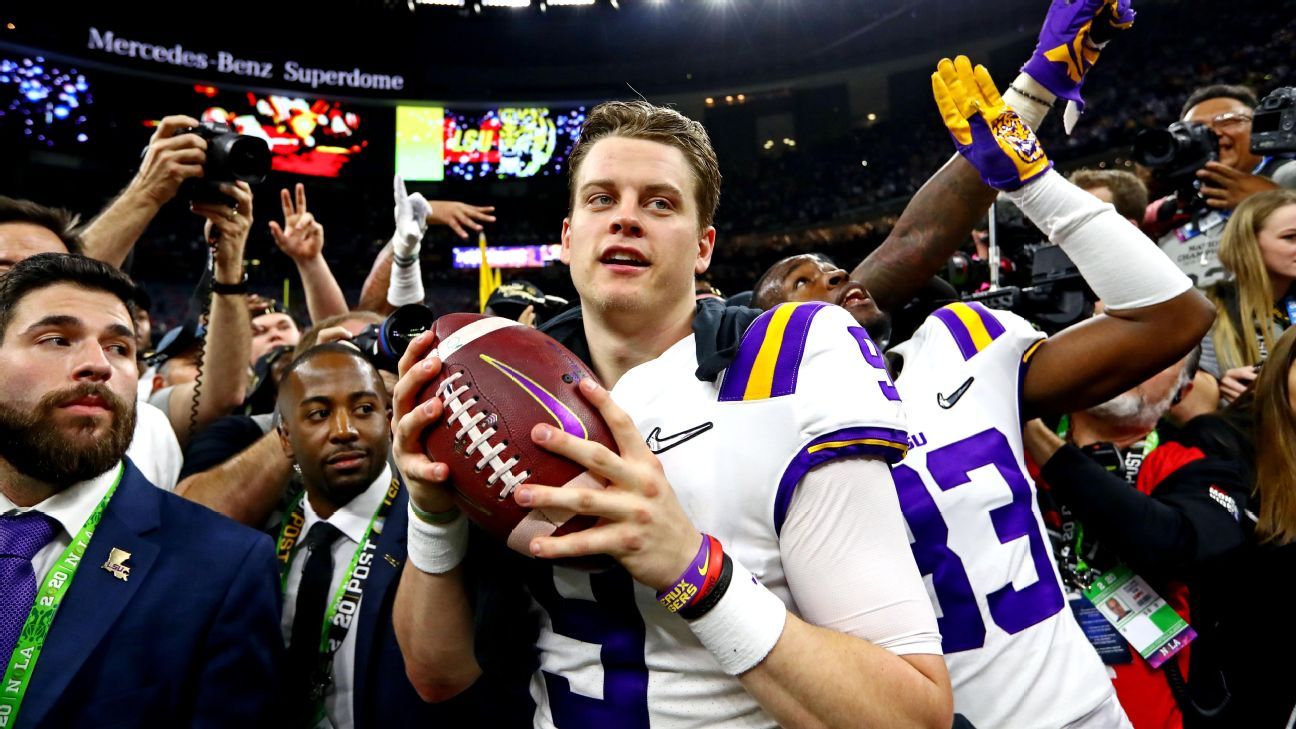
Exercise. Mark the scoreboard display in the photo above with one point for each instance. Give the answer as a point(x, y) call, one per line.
point(435, 143)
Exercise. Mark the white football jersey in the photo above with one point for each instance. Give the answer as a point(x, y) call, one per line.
point(734, 451)
point(1016, 656)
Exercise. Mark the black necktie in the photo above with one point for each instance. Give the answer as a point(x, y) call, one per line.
point(312, 599)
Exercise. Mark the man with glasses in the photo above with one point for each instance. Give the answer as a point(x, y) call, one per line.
point(1191, 237)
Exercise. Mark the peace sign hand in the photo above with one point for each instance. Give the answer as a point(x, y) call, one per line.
point(301, 237)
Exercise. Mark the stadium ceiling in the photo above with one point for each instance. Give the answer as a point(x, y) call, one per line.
point(573, 48)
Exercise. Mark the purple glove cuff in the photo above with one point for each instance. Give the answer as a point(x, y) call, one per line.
point(1064, 24)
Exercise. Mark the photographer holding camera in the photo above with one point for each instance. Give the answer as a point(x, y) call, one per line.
point(1207, 158)
point(171, 158)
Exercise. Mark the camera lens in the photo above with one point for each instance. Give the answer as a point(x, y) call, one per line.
point(1155, 148)
point(402, 327)
point(248, 158)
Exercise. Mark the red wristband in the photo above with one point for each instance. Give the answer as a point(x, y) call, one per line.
point(699, 577)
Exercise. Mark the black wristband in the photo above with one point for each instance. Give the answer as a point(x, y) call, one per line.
point(227, 289)
point(1030, 96)
point(693, 612)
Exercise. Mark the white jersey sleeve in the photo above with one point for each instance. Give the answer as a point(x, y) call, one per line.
point(848, 560)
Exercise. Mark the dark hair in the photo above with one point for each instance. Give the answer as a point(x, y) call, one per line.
point(642, 120)
point(48, 269)
point(320, 350)
point(1240, 93)
point(1129, 194)
point(764, 293)
point(58, 221)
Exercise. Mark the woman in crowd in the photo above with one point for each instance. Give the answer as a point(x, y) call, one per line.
point(1259, 248)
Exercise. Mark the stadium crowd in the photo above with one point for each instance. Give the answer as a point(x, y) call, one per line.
point(850, 481)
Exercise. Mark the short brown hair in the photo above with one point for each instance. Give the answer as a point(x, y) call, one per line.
point(642, 120)
point(58, 221)
point(1129, 194)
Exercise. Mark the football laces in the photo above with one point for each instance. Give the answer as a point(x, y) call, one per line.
point(477, 440)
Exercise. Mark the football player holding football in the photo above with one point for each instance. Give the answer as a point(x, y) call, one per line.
point(969, 376)
point(765, 577)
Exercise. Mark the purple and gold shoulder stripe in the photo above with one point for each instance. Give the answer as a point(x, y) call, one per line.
point(769, 357)
point(889, 444)
point(972, 326)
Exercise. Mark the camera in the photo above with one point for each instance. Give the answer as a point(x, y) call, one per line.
point(1273, 124)
point(230, 157)
point(1176, 153)
point(384, 344)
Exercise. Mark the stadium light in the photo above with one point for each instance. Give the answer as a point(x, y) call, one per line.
point(570, 2)
point(507, 3)
point(448, 3)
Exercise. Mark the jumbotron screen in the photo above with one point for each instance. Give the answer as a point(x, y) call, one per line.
point(436, 143)
point(508, 256)
point(43, 102)
point(317, 137)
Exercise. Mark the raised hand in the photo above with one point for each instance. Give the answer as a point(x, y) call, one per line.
point(986, 131)
point(1073, 35)
point(643, 526)
point(411, 220)
point(227, 226)
point(301, 237)
point(171, 158)
point(426, 479)
point(461, 217)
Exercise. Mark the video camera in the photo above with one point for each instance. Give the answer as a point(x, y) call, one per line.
point(1044, 286)
point(384, 344)
point(230, 157)
point(1273, 125)
point(1175, 154)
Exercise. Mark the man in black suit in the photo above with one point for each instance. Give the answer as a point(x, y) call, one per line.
point(342, 548)
point(120, 604)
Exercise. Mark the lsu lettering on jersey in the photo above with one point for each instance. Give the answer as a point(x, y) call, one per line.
point(1016, 656)
point(734, 451)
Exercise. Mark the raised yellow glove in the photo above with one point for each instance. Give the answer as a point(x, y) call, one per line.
point(986, 131)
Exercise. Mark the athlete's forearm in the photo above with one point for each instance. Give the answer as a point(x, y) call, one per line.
point(247, 487)
point(434, 629)
point(373, 295)
point(933, 225)
point(817, 677)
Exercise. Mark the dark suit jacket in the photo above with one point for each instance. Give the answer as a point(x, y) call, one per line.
point(384, 696)
point(190, 639)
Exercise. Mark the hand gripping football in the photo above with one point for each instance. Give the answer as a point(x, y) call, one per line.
point(498, 379)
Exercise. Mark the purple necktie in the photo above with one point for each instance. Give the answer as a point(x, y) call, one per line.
point(21, 537)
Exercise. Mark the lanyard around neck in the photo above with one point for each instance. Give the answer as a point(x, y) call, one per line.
point(22, 664)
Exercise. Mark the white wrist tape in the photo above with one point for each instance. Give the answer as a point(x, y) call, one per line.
point(436, 548)
point(1031, 111)
point(1122, 266)
point(744, 626)
point(406, 283)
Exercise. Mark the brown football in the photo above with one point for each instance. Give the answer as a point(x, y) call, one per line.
point(498, 379)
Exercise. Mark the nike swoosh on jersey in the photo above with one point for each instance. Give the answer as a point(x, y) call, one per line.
point(948, 402)
point(658, 443)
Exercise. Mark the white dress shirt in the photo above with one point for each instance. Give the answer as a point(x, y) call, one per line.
point(352, 520)
point(70, 507)
point(154, 450)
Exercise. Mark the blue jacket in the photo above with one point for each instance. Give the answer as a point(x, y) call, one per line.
point(191, 637)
